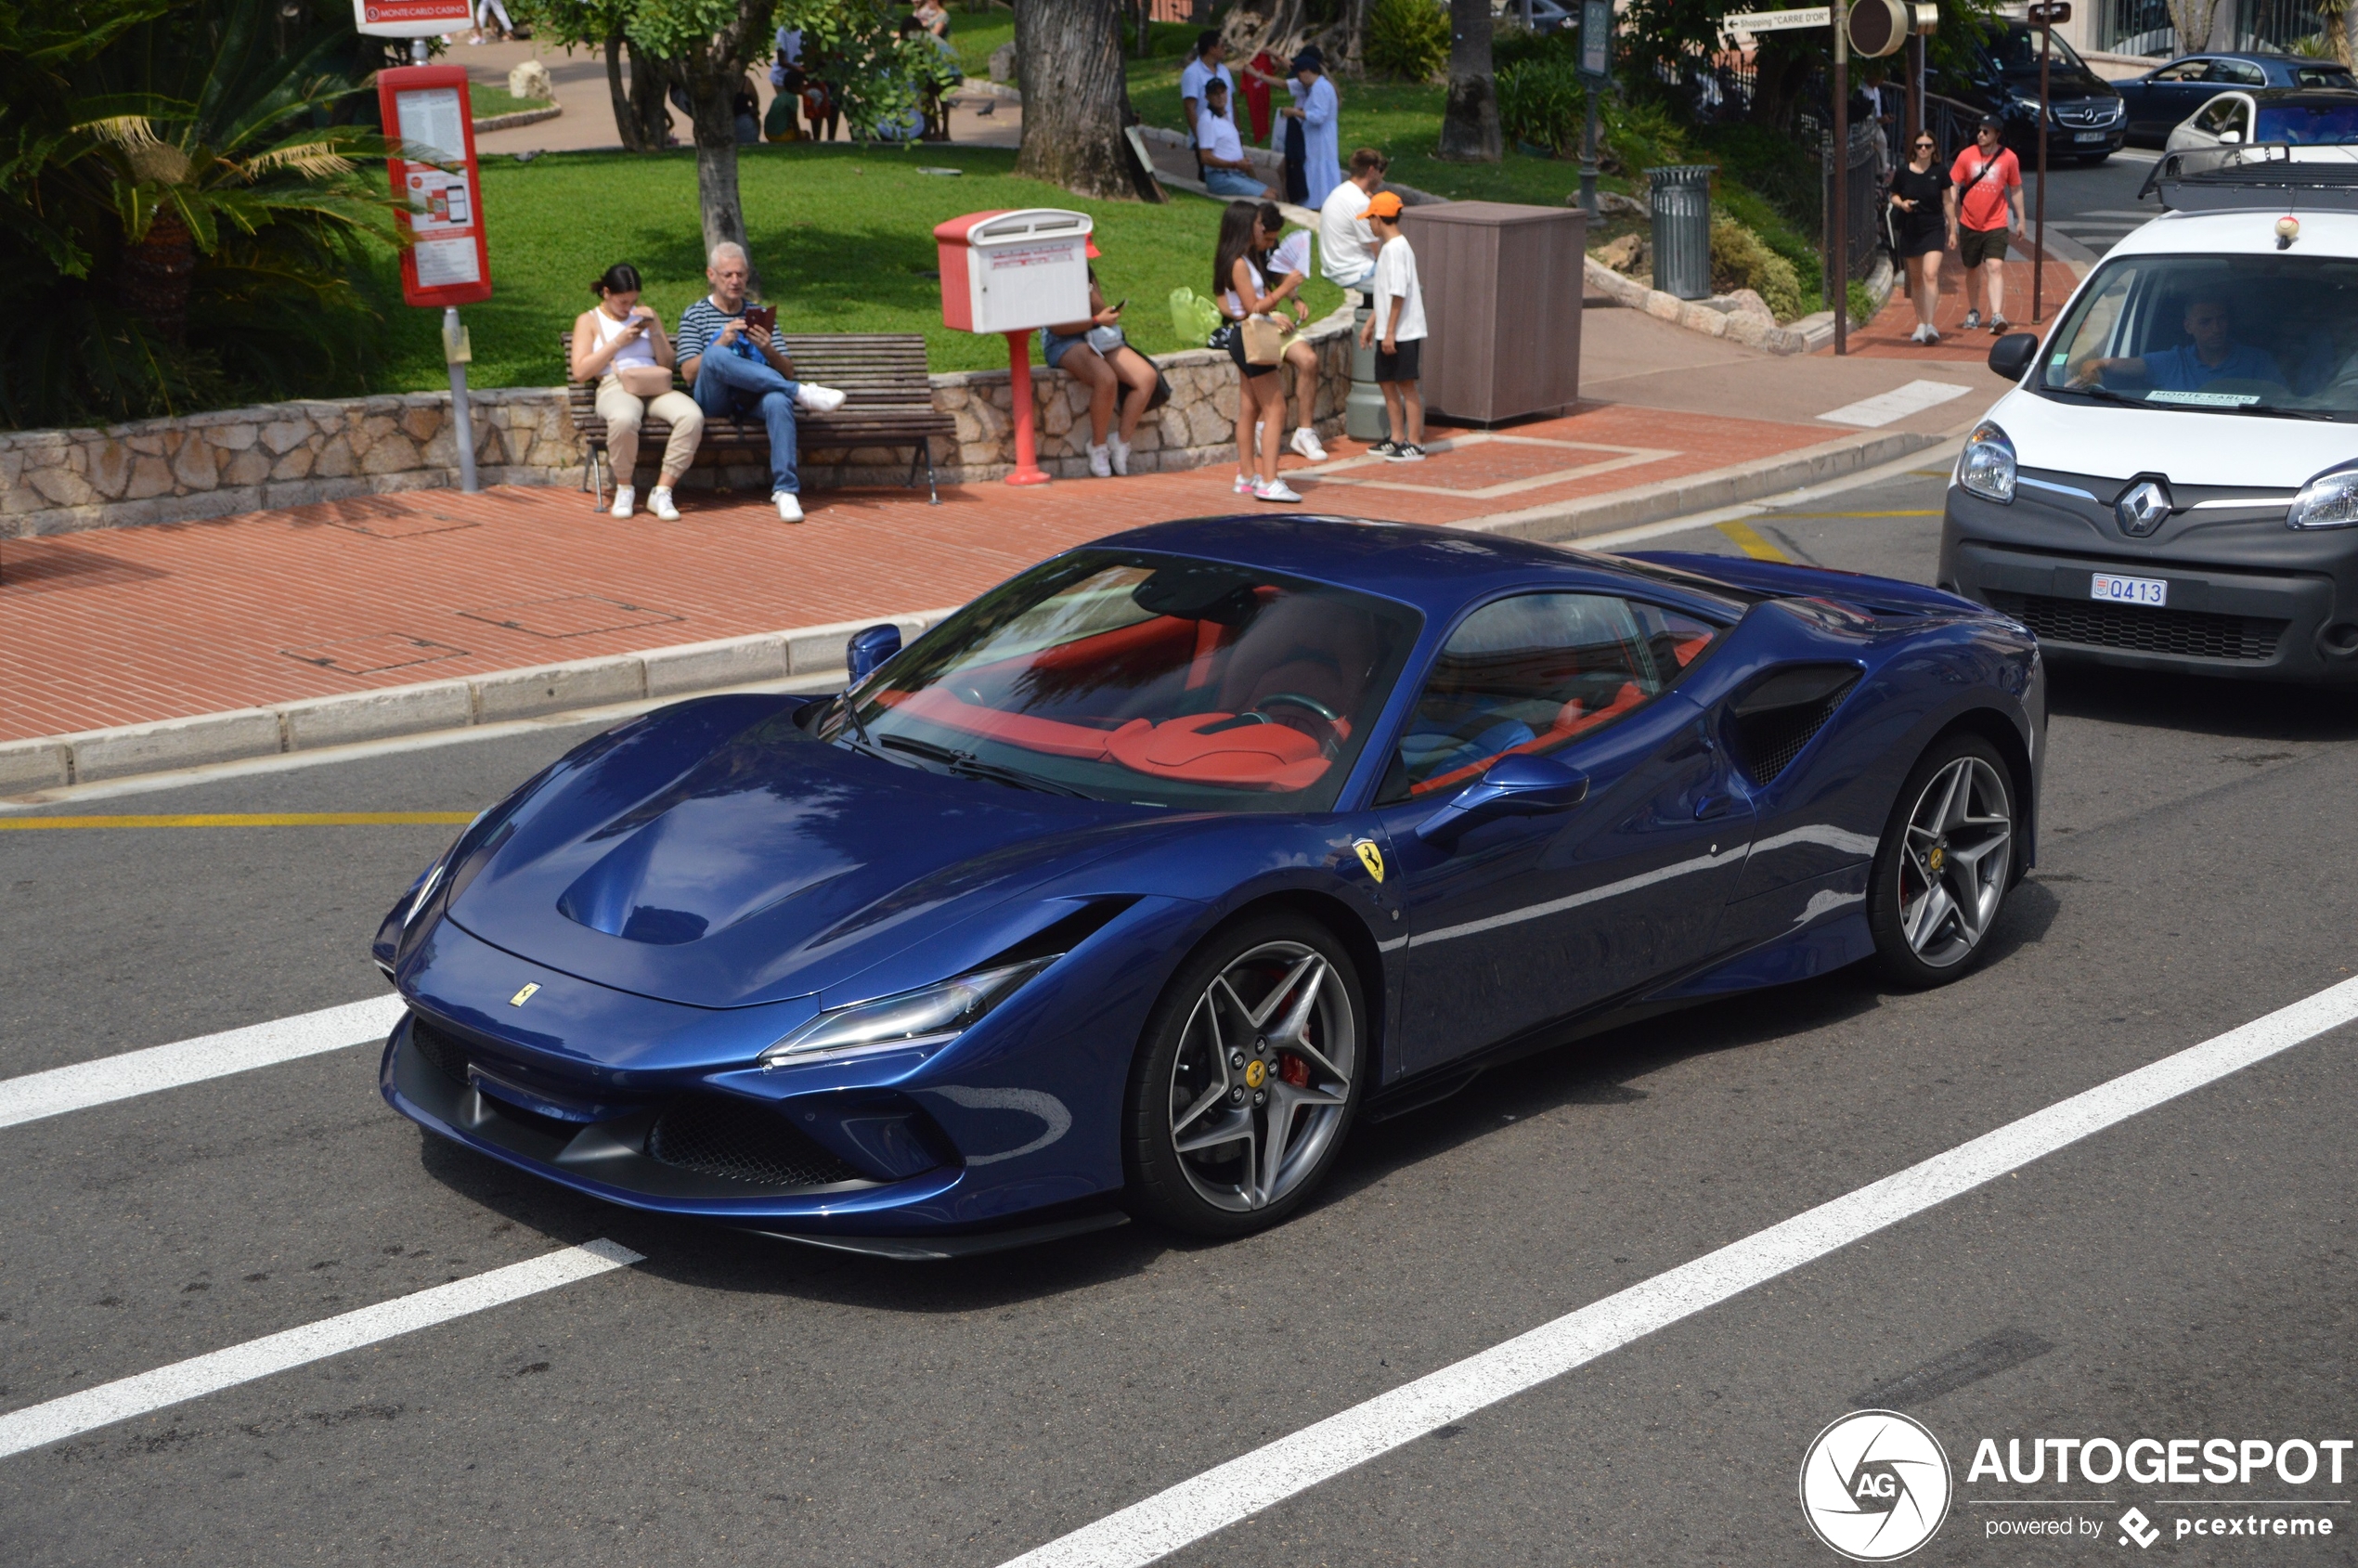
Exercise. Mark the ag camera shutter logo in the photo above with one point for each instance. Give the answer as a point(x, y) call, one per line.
point(1876, 1485)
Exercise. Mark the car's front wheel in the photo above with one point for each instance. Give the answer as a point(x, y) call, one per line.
point(1247, 1077)
point(1945, 863)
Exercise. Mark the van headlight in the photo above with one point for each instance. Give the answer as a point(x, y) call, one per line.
point(2330, 500)
point(1986, 468)
point(931, 1015)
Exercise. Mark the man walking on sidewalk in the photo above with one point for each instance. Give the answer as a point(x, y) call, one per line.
point(731, 364)
point(1984, 185)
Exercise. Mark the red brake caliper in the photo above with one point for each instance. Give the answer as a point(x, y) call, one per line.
point(1293, 1069)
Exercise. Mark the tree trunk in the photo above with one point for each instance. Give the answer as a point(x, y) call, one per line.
point(1470, 118)
point(2192, 19)
point(650, 103)
point(712, 80)
point(159, 274)
point(625, 124)
point(1068, 64)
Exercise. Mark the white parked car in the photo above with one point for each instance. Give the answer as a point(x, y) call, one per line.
point(2174, 482)
point(2308, 117)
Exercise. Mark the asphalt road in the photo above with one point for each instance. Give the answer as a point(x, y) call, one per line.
point(2097, 206)
point(2185, 1275)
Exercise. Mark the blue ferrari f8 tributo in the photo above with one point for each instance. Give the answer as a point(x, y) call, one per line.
point(1128, 888)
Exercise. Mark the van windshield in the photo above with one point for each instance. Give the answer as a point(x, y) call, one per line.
point(2273, 336)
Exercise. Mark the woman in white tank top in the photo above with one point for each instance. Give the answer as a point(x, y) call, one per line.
point(620, 344)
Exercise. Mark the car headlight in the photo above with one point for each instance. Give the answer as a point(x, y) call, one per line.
point(1986, 468)
point(930, 1016)
point(2330, 500)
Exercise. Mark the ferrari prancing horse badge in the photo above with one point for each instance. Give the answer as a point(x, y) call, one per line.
point(1370, 857)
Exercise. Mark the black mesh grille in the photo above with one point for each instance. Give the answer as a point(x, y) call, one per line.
point(443, 1052)
point(743, 1143)
point(2189, 633)
point(1767, 738)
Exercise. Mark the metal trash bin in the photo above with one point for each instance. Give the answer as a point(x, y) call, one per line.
point(1681, 198)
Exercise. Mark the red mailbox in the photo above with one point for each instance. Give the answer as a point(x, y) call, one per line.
point(1013, 273)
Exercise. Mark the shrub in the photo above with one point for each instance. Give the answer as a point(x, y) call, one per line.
point(1542, 102)
point(1510, 46)
point(1741, 259)
point(1408, 39)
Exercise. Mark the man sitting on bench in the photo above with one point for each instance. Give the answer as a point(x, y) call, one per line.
point(731, 365)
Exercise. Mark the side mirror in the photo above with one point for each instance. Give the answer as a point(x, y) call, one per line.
point(2011, 355)
point(869, 647)
point(2231, 136)
point(1521, 785)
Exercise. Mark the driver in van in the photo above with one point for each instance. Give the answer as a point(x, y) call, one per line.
point(2213, 356)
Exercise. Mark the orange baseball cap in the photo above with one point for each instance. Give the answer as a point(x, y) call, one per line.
point(1382, 204)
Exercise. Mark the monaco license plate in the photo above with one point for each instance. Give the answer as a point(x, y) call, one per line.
point(2151, 592)
point(2088, 135)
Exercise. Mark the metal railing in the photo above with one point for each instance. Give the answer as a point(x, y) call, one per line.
point(2135, 27)
point(1863, 207)
point(2275, 25)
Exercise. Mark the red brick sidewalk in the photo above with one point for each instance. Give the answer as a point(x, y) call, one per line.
point(125, 626)
point(1886, 335)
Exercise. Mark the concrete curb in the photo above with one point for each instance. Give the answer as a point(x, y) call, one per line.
point(55, 761)
point(491, 122)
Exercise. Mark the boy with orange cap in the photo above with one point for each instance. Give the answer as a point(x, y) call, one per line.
point(1399, 321)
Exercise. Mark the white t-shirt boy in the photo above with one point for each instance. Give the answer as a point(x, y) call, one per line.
point(1396, 280)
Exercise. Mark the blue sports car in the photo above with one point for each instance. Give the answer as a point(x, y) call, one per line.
point(1129, 886)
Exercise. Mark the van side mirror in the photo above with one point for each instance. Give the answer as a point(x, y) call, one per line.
point(1520, 785)
point(2011, 355)
point(869, 647)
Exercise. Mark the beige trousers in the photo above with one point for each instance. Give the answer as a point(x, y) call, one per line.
point(623, 414)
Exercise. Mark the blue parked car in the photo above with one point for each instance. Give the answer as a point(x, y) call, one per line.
point(2162, 98)
point(1129, 887)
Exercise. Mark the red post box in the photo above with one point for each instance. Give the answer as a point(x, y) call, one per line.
point(1014, 273)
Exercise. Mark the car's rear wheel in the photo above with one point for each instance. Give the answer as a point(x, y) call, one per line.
point(1945, 863)
point(1247, 1077)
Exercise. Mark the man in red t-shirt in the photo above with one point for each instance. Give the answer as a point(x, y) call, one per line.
point(1984, 184)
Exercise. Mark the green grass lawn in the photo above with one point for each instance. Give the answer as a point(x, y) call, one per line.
point(483, 102)
point(843, 236)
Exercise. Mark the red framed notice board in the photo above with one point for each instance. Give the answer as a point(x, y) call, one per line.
point(426, 110)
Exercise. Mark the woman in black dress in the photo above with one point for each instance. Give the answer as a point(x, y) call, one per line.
point(1920, 228)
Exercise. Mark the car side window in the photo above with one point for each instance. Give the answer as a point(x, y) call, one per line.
point(2243, 73)
point(2216, 116)
point(2184, 70)
point(1531, 673)
point(2322, 76)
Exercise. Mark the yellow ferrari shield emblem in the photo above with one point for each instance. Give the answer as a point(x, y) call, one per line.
point(1934, 860)
point(1256, 1074)
point(520, 998)
point(1370, 857)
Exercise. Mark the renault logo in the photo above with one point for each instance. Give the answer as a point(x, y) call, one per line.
point(2141, 508)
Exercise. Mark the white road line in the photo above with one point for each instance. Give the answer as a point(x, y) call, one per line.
point(1243, 1486)
point(1896, 404)
point(60, 1089)
point(76, 1413)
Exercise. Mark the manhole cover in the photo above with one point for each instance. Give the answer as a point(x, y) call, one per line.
point(576, 616)
point(366, 655)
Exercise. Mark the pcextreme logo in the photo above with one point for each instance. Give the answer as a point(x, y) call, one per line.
point(1876, 1485)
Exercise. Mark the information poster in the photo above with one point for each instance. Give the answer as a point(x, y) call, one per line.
point(426, 113)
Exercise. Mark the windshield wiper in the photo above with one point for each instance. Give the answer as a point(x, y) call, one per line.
point(2096, 389)
point(966, 764)
point(2278, 411)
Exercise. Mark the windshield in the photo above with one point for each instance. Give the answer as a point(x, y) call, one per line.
point(1158, 679)
point(2016, 49)
point(2267, 335)
point(2308, 124)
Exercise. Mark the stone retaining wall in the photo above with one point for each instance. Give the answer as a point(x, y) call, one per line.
point(289, 454)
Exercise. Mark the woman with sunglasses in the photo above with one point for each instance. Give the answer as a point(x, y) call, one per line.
point(1920, 228)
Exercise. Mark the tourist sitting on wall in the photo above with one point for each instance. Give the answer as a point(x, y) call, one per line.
point(1096, 354)
point(1222, 150)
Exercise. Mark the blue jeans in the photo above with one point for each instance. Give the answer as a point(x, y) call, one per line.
point(1231, 182)
point(728, 381)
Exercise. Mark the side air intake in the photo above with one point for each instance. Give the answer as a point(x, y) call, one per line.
point(1770, 720)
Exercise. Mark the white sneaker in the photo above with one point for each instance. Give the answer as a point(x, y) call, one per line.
point(1245, 482)
point(1120, 452)
point(1274, 490)
point(812, 398)
point(1932, 334)
point(659, 502)
point(1918, 335)
point(1306, 441)
point(625, 500)
point(789, 508)
point(1100, 463)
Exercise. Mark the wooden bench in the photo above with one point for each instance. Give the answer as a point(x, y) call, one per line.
point(887, 402)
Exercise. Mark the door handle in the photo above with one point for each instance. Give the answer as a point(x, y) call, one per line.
point(1712, 805)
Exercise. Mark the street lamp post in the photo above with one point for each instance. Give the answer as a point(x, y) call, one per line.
point(2044, 16)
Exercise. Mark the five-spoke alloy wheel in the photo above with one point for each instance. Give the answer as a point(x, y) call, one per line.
point(1945, 864)
point(1248, 1078)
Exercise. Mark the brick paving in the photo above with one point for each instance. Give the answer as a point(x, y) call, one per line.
point(1886, 335)
point(123, 626)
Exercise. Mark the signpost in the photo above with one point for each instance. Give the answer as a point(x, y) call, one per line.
point(2045, 18)
point(426, 114)
point(1596, 74)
